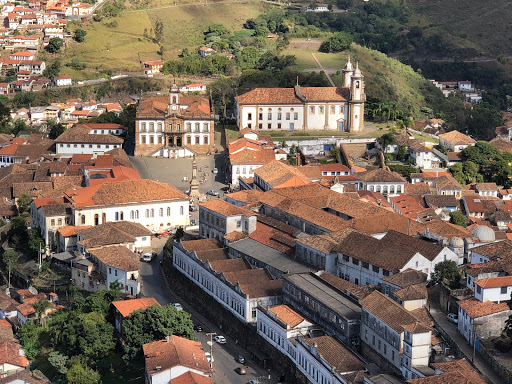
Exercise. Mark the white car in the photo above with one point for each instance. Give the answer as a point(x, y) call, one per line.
point(147, 257)
point(177, 306)
point(453, 318)
point(215, 171)
point(220, 339)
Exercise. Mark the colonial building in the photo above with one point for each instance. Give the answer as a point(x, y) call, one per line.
point(174, 126)
point(305, 108)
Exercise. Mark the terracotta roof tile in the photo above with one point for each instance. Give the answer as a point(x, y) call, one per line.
point(118, 257)
point(388, 311)
point(190, 377)
point(200, 245)
point(246, 196)
point(124, 192)
point(493, 282)
point(291, 96)
point(350, 289)
point(381, 175)
point(413, 292)
point(77, 135)
point(406, 278)
point(278, 174)
point(234, 236)
point(226, 209)
point(126, 307)
point(454, 372)
point(71, 230)
point(178, 351)
point(335, 354)
point(287, 315)
point(457, 138)
point(475, 308)
point(10, 353)
point(197, 106)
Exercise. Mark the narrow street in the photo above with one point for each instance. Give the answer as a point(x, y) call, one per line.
point(461, 342)
point(153, 285)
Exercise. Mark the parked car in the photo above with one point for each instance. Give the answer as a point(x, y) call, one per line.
point(240, 359)
point(220, 339)
point(241, 371)
point(215, 171)
point(163, 233)
point(192, 208)
point(193, 222)
point(148, 257)
point(452, 317)
point(177, 306)
point(255, 381)
point(198, 328)
point(212, 192)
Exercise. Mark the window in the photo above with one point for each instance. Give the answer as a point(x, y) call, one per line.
point(159, 139)
point(151, 127)
point(503, 290)
point(279, 116)
point(260, 126)
point(312, 110)
point(478, 289)
point(159, 128)
point(168, 211)
point(181, 210)
point(59, 222)
point(132, 215)
point(295, 116)
point(375, 269)
point(151, 140)
point(83, 219)
point(260, 116)
point(188, 127)
point(143, 139)
point(278, 125)
point(238, 223)
point(321, 110)
point(143, 127)
point(269, 116)
point(161, 212)
point(333, 109)
point(137, 214)
point(52, 222)
point(152, 212)
point(189, 140)
point(287, 115)
point(355, 261)
point(115, 272)
point(116, 216)
point(269, 126)
point(366, 265)
point(249, 116)
point(147, 213)
point(170, 127)
point(197, 127)
point(197, 139)
point(205, 140)
point(110, 271)
point(178, 127)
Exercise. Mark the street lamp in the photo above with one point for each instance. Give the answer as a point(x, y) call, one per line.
point(210, 343)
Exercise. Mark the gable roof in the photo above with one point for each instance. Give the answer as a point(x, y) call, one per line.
point(80, 135)
point(453, 372)
point(126, 307)
point(335, 354)
point(287, 315)
point(457, 138)
point(475, 308)
point(175, 351)
point(10, 354)
point(226, 209)
point(277, 173)
point(388, 311)
point(296, 95)
point(406, 278)
point(118, 257)
point(123, 192)
point(382, 176)
point(112, 233)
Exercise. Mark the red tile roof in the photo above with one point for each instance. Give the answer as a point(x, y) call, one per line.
point(493, 282)
point(126, 307)
point(475, 308)
point(279, 96)
point(10, 354)
point(178, 351)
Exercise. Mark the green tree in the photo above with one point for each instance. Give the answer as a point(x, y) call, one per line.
point(56, 129)
point(447, 271)
point(19, 126)
point(339, 41)
point(387, 139)
point(458, 218)
point(159, 31)
point(79, 35)
point(10, 258)
point(54, 45)
point(402, 152)
point(58, 361)
point(155, 323)
point(41, 307)
point(79, 374)
point(17, 233)
point(23, 202)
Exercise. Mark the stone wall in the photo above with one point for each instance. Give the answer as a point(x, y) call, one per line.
point(499, 362)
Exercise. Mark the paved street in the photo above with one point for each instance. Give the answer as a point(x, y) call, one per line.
point(153, 285)
point(452, 330)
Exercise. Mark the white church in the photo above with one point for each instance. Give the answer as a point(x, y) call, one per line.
point(305, 108)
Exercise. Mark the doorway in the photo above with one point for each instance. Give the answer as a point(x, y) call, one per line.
point(178, 141)
point(292, 126)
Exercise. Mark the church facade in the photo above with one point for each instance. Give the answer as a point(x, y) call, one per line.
point(305, 108)
point(174, 126)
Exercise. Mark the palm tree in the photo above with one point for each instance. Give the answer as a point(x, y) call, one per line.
point(40, 307)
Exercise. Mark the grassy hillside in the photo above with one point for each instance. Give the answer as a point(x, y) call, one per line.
point(386, 79)
point(122, 47)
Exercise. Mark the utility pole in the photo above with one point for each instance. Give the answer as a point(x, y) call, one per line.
point(10, 262)
point(210, 343)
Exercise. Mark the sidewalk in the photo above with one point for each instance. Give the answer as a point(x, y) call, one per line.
point(233, 346)
point(463, 345)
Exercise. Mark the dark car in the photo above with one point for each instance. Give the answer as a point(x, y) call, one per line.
point(198, 328)
point(240, 359)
